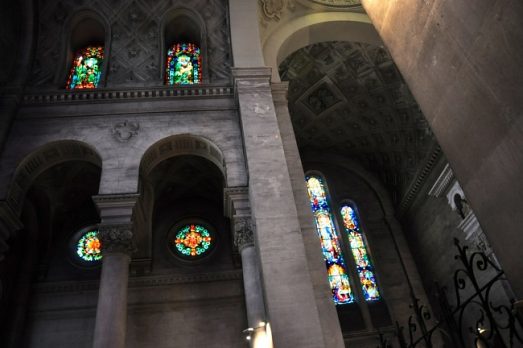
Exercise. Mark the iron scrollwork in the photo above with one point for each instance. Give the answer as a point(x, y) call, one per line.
point(475, 317)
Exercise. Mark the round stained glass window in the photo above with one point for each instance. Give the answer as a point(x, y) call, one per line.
point(89, 247)
point(192, 241)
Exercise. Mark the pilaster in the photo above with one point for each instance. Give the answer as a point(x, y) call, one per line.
point(329, 318)
point(277, 234)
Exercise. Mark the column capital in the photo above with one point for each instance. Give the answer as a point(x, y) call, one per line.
point(243, 232)
point(116, 238)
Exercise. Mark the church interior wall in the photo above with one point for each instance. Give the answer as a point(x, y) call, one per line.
point(133, 114)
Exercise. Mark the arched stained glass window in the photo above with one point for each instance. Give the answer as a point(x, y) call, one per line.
point(87, 68)
point(360, 254)
point(184, 65)
point(89, 247)
point(336, 267)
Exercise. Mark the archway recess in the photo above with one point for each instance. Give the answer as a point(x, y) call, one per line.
point(315, 28)
point(40, 160)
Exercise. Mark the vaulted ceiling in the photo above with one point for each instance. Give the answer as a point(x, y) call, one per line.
point(349, 99)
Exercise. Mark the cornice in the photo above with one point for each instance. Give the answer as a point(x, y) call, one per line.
point(124, 95)
point(141, 282)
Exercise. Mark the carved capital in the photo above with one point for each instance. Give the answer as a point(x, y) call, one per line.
point(243, 233)
point(116, 238)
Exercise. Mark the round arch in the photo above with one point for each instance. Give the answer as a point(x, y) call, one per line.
point(183, 144)
point(315, 28)
point(40, 160)
point(191, 18)
point(71, 23)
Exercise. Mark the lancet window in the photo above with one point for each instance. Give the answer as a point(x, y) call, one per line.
point(332, 246)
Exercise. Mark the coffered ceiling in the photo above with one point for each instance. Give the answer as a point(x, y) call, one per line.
point(349, 99)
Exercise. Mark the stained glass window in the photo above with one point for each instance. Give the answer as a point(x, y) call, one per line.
point(192, 240)
point(360, 254)
point(184, 65)
point(87, 68)
point(330, 246)
point(89, 247)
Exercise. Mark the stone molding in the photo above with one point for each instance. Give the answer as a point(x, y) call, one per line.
point(116, 238)
point(116, 209)
point(420, 179)
point(442, 182)
point(251, 79)
point(243, 232)
point(125, 95)
point(139, 282)
point(236, 201)
point(280, 92)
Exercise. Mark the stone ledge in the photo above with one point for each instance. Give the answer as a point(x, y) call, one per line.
point(110, 95)
point(139, 282)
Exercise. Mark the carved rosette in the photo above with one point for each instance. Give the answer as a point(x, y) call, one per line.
point(243, 233)
point(116, 238)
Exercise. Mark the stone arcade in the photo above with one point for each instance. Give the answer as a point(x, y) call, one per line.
point(154, 160)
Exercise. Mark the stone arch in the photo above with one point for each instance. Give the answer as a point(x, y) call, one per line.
point(183, 144)
point(315, 28)
point(40, 160)
point(162, 150)
point(196, 30)
point(97, 29)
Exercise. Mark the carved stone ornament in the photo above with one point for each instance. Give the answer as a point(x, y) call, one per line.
point(272, 9)
point(337, 3)
point(125, 130)
point(243, 233)
point(116, 238)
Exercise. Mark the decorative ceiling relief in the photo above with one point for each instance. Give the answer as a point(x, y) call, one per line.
point(272, 9)
point(349, 99)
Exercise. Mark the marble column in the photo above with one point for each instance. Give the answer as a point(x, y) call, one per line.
point(283, 261)
point(115, 233)
point(256, 318)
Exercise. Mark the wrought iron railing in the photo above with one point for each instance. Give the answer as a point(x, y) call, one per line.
point(473, 318)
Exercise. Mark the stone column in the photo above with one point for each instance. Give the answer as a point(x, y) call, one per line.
point(283, 261)
point(9, 225)
point(116, 235)
point(237, 207)
point(256, 318)
point(329, 317)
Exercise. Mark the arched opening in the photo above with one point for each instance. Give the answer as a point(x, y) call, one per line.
point(185, 234)
point(183, 48)
point(86, 52)
point(57, 182)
